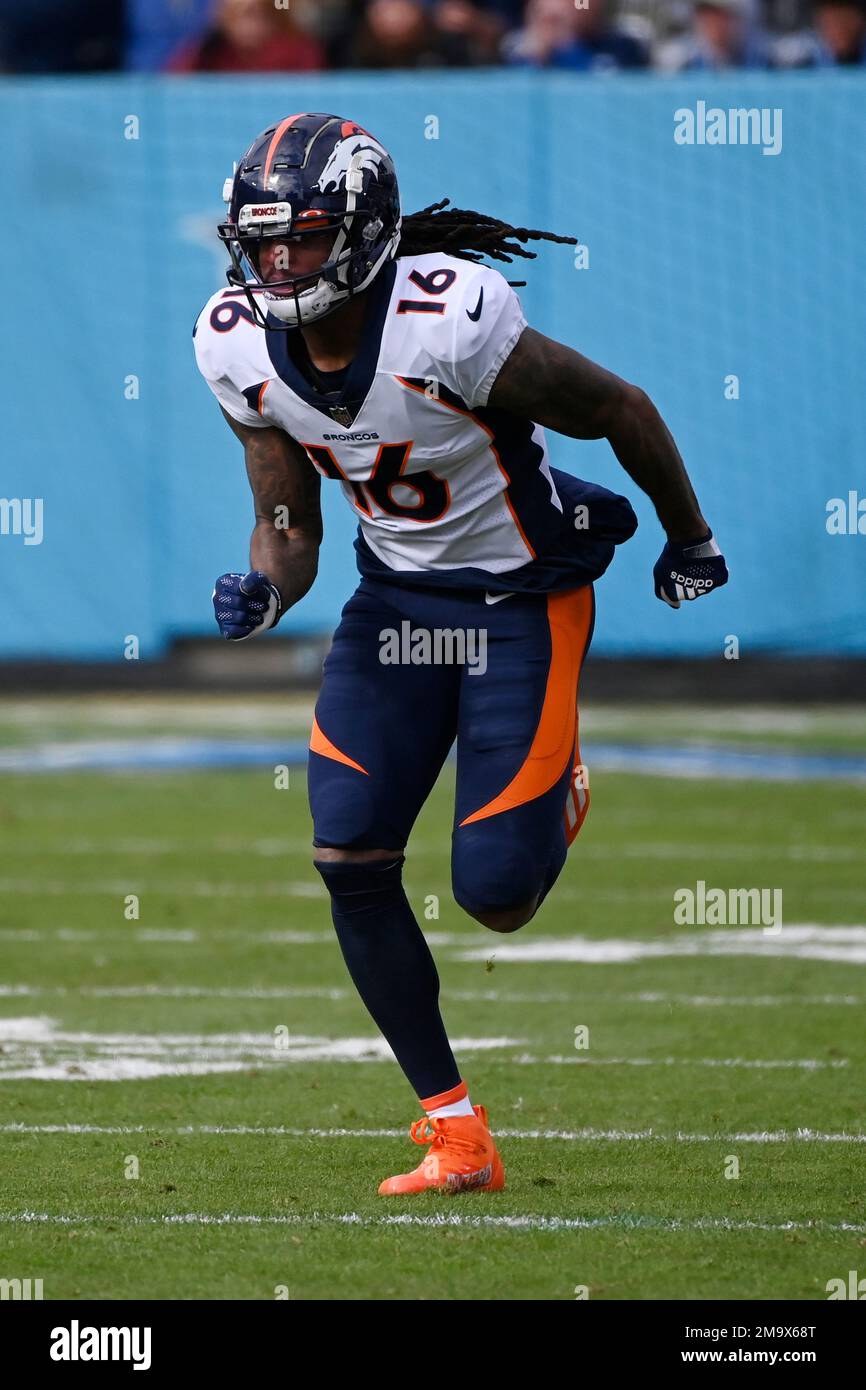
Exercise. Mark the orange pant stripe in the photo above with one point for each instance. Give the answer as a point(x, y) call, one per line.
point(553, 745)
point(320, 743)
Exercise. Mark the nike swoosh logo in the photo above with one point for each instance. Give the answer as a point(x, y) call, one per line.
point(475, 314)
point(496, 598)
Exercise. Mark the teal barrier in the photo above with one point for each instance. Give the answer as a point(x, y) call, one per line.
point(706, 263)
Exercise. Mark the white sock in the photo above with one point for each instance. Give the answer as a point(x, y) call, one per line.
point(459, 1107)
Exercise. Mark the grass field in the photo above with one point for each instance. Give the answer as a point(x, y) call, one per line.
point(251, 1110)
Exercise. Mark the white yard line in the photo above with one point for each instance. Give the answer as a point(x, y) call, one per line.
point(464, 996)
point(191, 936)
point(174, 992)
point(444, 1219)
point(214, 888)
point(759, 1064)
point(845, 944)
point(796, 940)
point(585, 1135)
point(42, 1031)
point(36, 1048)
point(737, 1000)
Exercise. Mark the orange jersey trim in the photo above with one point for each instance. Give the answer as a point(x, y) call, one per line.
point(494, 451)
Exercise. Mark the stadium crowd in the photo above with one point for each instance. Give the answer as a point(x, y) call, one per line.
point(596, 36)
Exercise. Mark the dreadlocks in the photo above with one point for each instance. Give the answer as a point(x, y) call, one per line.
point(468, 235)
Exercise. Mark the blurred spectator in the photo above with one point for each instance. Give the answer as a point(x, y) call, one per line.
point(251, 36)
point(333, 23)
point(722, 36)
point(55, 36)
point(423, 33)
point(479, 26)
point(404, 34)
point(558, 35)
point(837, 40)
point(308, 35)
point(841, 26)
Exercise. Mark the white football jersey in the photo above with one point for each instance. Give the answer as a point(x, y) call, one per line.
point(439, 482)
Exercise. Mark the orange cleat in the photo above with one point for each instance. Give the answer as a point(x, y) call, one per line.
point(462, 1157)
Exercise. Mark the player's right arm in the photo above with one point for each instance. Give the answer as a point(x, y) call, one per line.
point(288, 525)
point(285, 543)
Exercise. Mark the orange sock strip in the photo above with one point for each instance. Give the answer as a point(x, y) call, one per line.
point(458, 1092)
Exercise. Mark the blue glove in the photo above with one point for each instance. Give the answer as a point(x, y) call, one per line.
point(245, 604)
point(690, 569)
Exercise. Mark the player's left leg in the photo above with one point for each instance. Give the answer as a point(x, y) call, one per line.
point(382, 732)
point(521, 794)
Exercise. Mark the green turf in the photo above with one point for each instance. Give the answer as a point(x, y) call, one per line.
point(75, 845)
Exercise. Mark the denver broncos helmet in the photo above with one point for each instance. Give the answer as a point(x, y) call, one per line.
point(311, 173)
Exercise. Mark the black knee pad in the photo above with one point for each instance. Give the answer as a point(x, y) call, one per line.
point(362, 885)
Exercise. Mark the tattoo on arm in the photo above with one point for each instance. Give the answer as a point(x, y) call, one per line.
point(545, 381)
point(288, 530)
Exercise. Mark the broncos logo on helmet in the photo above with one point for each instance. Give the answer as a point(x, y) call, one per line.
point(361, 152)
point(309, 173)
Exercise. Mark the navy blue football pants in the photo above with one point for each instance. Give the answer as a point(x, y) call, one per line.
point(391, 706)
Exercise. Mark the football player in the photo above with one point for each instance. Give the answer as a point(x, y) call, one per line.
point(380, 353)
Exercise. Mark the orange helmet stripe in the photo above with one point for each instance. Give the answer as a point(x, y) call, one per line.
point(275, 142)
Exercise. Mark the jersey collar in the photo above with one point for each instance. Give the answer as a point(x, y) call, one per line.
point(362, 369)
